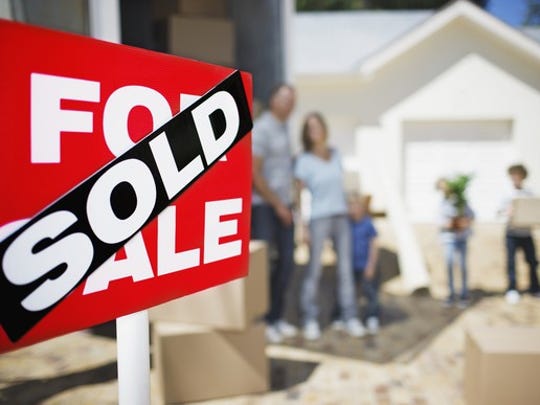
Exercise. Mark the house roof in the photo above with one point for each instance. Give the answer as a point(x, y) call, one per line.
point(363, 42)
point(336, 42)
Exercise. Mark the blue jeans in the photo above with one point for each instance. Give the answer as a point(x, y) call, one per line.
point(526, 243)
point(370, 289)
point(452, 247)
point(338, 229)
point(265, 225)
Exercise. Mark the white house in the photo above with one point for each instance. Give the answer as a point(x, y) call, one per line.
point(413, 96)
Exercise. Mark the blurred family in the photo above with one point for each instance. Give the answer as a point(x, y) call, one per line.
point(319, 169)
point(278, 181)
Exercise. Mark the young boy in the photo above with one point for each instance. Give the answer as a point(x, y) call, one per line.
point(365, 256)
point(519, 238)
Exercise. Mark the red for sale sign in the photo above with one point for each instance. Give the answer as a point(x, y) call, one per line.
point(125, 180)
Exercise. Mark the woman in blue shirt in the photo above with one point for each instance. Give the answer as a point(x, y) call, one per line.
point(319, 169)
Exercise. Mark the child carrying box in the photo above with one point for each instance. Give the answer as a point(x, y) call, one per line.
point(518, 237)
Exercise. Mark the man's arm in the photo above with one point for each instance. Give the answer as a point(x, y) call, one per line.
point(261, 187)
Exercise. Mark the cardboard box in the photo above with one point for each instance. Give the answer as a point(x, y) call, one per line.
point(207, 8)
point(502, 365)
point(526, 212)
point(162, 9)
point(231, 306)
point(207, 39)
point(196, 363)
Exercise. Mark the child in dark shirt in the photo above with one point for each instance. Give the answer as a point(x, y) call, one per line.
point(365, 256)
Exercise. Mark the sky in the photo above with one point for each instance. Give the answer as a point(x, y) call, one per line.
point(510, 11)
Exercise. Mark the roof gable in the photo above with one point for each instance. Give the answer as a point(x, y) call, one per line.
point(459, 9)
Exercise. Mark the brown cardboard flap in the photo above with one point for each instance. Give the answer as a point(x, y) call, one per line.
point(526, 212)
point(198, 363)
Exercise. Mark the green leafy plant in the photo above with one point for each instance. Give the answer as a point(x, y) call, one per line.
point(457, 188)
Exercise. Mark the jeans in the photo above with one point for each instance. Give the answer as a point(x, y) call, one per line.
point(513, 243)
point(370, 289)
point(265, 225)
point(338, 229)
point(451, 247)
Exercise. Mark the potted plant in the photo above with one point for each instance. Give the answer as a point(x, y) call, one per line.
point(457, 188)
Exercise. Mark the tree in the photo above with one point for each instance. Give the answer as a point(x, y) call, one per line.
point(533, 13)
point(413, 4)
point(314, 5)
point(319, 5)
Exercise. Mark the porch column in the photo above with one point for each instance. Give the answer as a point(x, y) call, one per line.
point(414, 274)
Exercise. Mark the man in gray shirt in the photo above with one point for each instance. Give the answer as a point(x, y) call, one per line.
point(272, 218)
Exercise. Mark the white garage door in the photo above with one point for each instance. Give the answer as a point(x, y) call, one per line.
point(434, 150)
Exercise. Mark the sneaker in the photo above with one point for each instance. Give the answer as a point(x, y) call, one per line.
point(463, 303)
point(512, 297)
point(338, 325)
point(286, 329)
point(372, 325)
point(272, 335)
point(312, 331)
point(355, 328)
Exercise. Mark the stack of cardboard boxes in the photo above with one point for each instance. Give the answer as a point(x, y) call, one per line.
point(209, 344)
point(202, 30)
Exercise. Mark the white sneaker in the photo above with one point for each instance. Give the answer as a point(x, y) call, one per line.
point(312, 331)
point(355, 328)
point(372, 325)
point(512, 297)
point(338, 325)
point(272, 335)
point(286, 329)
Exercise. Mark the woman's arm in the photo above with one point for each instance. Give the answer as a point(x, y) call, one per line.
point(304, 228)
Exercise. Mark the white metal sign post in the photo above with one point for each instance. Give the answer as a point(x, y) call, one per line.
point(132, 340)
